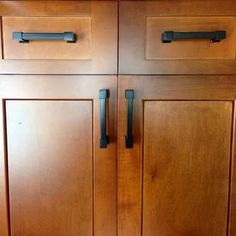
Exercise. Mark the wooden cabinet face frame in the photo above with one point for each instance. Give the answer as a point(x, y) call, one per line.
point(52, 93)
point(199, 97)
point(97, 31)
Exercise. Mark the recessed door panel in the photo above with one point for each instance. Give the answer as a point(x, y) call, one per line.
point(45, 48)
point(186, 166)
point(193, 48)
point(50, 162)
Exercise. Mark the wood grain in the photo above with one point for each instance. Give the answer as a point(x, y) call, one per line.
point(103, 52)
point(4, 213)
point(45, 8)
point(133, 41)
point(46, 49)
point(190, 49)
point(194, 89)
point(232, 206)
point(190, 176)
point(50, 167)
point(186, 167)
point(185, 7)
point(1, 51)
point(53, 90)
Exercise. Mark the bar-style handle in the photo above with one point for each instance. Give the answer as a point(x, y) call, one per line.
point(103, 96)
point(129, 95)
point(21, 37)
point(214, 36)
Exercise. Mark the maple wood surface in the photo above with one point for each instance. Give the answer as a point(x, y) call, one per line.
point(54, 49)
point(190, 49)
point(186, 163)
point(78, 175)
point(142, 52)
point(179, 170)
point(94, 53)
point(179, 177)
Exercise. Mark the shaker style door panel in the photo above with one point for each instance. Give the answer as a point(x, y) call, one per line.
point(186, 167)
point(57, 177)
point(176, 171)
point(47, 37)
point(159, 37)
point(50, 167)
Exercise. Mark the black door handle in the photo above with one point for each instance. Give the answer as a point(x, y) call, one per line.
point(103, 96)
point(129, 95)
point(21, 37)
point(215, 36)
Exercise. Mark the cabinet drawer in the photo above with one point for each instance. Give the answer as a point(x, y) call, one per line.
point(191, 44)
point(62, 37)
point(193, 30)
point(80, 27)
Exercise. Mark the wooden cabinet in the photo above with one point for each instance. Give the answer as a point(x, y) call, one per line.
point(117, 118)
point(178, 179)
point(58, 179)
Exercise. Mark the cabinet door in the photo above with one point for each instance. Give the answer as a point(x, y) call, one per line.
point(58, 179)
point(176, 179)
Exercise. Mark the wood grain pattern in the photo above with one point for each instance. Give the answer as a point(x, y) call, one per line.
point(232, 206)
point(1, 53)
point(197, 88)
point(185, 7)
point(55, 89)
point(186, 167)
point(44, 49)
point(103, 58)
point(133, 41)
point(190, 49)
point(4, 213)
point(50, 167)
point(105, 36)
point(162, 186)
point(45, 8)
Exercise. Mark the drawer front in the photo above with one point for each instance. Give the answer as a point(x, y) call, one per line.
point(46, 25)
point(143, 25)
point(190, 48)
point(43, 48)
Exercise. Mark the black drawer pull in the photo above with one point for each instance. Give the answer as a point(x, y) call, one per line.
point(129, 95)
point(21, 37)
point(215, 36)
point(104, 139)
